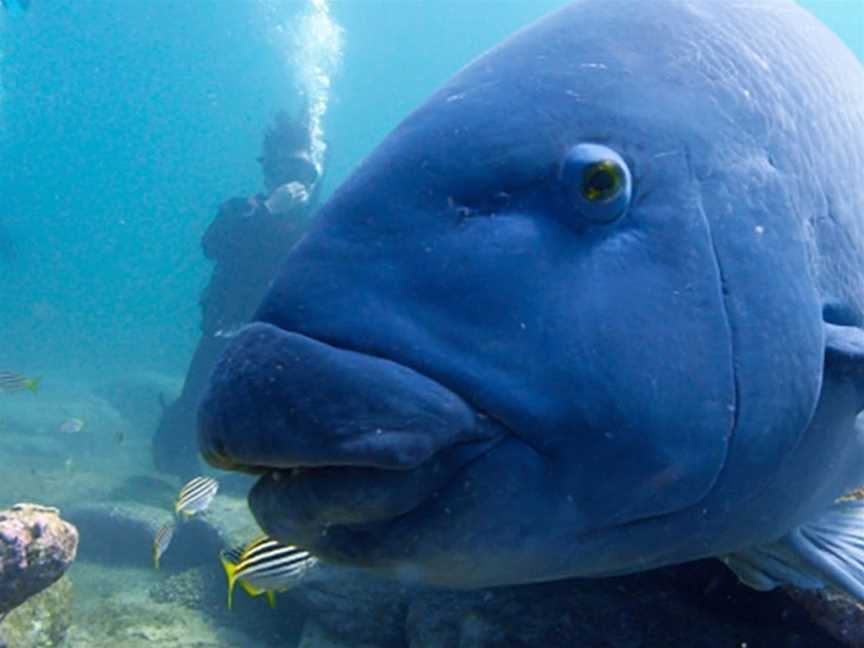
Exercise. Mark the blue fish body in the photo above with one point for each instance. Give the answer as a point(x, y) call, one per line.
point(596, 306)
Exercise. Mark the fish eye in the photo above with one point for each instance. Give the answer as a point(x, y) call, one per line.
point(596, 182)
point(602, 181)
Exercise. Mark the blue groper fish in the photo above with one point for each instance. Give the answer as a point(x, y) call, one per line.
point(595, 307)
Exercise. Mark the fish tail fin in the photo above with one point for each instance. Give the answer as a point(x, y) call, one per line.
point(33, 384)
point(155, 559)
point(231, 573)
point(271, 599)
point(826, 551)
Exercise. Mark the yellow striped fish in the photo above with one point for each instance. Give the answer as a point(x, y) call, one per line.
point(12, 382)
point(265, 566)
point(161, 542)
point(196, 495)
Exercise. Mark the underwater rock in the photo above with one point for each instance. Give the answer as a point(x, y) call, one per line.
point(549, 615)
point(122, 534)
point(140, 398)
point(838, 614)
point(699, 605)
point(352, 606)
point(36, 548)
point(42, 621)
point(314, 636)
point(144, 489)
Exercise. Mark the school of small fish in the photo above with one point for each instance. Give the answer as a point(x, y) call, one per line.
point(262, 566)
point(194, 497)
point(12, 382)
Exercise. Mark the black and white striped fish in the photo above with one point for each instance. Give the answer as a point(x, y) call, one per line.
point(265, 566)
point(196, 495)
point(161, 542)
point(14, 382)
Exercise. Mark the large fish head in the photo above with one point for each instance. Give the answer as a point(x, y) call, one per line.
point(510, 336)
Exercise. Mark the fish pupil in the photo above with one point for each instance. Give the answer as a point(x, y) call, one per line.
point(602, 181)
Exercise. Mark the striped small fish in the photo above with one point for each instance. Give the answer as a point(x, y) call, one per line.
point(12, 382)
point(196, 495)
point(265, 566)
point(161, 542)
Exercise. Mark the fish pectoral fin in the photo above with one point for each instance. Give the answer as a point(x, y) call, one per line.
point(826, 552)
point(250, 589)
point(271, 598)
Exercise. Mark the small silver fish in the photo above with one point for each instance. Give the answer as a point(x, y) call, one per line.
point(12, 382)
point(196, 495)
point(265, 566)
point(161, 542)
point(71, 426)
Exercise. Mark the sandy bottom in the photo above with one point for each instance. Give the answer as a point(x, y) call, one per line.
point(112, 608)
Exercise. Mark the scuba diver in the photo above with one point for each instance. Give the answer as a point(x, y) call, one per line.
point(246, 242)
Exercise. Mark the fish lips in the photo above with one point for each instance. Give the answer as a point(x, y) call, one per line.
point(320, 508)
point(342, 437)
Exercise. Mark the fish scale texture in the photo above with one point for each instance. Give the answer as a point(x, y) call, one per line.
point(36, 549)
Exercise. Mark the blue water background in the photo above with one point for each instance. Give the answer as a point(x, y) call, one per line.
point(124, 123)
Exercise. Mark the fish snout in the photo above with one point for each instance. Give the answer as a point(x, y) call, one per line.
point(280, 400)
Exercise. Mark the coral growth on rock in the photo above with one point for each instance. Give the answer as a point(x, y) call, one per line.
point(36, 548)
point(42, 621)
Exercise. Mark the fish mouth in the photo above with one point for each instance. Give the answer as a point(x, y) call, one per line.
point(339, 437)
point(343, 514)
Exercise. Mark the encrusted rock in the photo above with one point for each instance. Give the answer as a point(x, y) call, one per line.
point(42, 621)
point(839, 615)
point(700, 605)
point(353, 607)
point(36, 548)
point(314, 636)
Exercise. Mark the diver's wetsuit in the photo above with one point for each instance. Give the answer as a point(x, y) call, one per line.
point(246, 242)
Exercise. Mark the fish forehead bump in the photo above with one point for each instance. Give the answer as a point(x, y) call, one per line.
point(624, 71)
